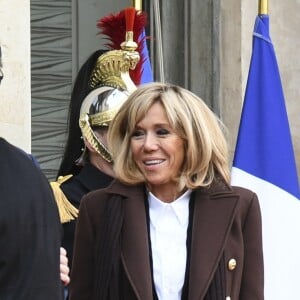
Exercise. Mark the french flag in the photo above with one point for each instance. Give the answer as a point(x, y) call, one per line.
point(264, 162)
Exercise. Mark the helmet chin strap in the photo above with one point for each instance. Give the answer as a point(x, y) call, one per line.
point(93, 140)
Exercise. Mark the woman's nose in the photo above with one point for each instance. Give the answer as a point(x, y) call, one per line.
point(151, 142)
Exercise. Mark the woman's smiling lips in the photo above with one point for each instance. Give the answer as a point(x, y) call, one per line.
point(153, 162)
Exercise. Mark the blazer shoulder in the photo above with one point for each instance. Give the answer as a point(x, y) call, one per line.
point(244, 192)
point(95, 199)
point(114, 188)
point(248, 199)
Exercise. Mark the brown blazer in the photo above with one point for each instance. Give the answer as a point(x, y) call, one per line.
point(226, 230)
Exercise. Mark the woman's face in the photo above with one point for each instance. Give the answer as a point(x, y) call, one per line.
point(157, 150)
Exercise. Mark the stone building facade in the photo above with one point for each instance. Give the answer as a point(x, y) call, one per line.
point(44, 42)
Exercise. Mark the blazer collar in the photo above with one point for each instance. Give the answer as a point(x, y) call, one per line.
point(134, 240)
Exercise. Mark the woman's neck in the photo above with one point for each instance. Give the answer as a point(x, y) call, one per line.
point(165, 193)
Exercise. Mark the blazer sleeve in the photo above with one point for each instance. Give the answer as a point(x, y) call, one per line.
point(252, 285)
point(81, 285)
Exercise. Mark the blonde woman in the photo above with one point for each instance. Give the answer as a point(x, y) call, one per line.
point(170, 226)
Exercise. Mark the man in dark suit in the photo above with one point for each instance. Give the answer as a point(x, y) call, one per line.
point(30, 230)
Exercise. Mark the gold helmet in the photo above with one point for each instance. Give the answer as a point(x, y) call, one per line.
point(111, 85)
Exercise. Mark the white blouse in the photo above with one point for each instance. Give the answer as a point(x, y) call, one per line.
point(168, 233)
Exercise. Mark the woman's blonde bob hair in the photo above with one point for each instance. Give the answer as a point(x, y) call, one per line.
point(206, 153)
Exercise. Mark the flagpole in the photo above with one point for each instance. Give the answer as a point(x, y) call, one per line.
point(263, 7)
point(160, 57)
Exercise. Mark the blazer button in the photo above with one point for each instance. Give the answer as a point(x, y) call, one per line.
point(231, 264)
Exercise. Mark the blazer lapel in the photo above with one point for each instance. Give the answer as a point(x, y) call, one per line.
point(213, 216)
point(135, 245)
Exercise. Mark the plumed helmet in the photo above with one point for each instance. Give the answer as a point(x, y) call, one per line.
point(103, 85)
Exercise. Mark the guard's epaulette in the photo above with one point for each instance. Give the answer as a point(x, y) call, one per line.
point(67, 212)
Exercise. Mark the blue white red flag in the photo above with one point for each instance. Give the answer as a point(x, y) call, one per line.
point(264, 162)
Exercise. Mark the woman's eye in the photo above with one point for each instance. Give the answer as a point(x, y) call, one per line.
point(137, 133)
point(162, 131)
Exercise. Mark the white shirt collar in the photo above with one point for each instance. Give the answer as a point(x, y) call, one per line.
point(180, 207)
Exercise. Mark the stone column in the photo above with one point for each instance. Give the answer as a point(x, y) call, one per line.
point(190, 45)
point(15, 99)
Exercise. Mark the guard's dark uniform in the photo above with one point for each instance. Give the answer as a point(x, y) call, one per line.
point(89, 178)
